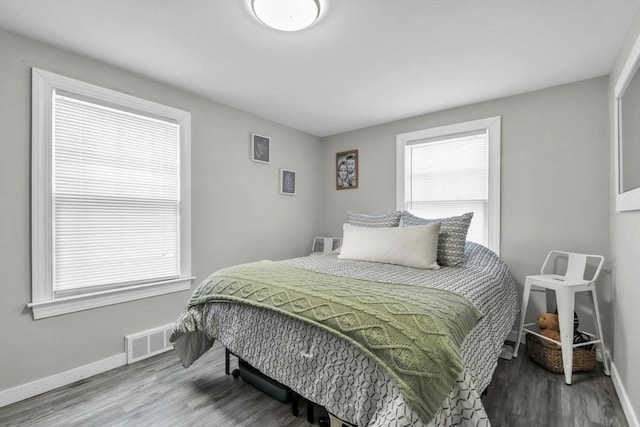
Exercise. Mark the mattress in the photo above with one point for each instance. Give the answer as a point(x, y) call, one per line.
point(327, 369)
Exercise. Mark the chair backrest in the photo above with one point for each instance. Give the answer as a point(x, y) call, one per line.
point(576, 264)
point(576, 267)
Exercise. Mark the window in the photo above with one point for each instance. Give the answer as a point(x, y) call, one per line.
point(452, 170)
point(110, 197)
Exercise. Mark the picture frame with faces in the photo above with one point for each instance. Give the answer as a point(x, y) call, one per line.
point(347, 170)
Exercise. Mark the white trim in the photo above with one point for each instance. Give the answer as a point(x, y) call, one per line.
point(52, 80)
point(185, 196)
point(44, 302)
point(493, 125)
point(627, 408)
point(628, 200)
point(58, 306)
point(41, 264)
point(401, 143)
point(43, 385)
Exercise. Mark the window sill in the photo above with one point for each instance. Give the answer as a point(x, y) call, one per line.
point(75, 303)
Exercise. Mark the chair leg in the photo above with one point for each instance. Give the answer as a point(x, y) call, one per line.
point(566, 305)
point(599, 331)
point(523, 314)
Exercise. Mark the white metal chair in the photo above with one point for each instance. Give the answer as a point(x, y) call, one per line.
point(565, 286)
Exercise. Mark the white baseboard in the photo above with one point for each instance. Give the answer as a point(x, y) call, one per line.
point(629, 412)
point(43, 385)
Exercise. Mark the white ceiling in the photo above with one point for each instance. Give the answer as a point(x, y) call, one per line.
point(365, 62)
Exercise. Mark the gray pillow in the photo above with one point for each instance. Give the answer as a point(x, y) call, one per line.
point(453, 236)
point(361, 220)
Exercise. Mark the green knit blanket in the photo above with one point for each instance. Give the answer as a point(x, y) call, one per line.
point(414, 333)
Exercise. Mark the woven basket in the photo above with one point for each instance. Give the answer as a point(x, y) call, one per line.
point(549, 355)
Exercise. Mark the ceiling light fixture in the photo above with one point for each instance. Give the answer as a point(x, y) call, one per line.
point(287, 15)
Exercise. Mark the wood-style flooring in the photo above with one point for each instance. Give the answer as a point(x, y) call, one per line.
point(159, 392)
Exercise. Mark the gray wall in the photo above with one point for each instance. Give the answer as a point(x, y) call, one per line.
point(625, 253)
point(555, 194)
point(238, 214)
point(555, 179)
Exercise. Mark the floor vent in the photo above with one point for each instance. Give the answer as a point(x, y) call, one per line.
point(148, 343)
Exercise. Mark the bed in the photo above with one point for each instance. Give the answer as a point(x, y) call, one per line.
point(331, 369)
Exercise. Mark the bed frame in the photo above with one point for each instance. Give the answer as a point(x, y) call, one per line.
point(266, 384)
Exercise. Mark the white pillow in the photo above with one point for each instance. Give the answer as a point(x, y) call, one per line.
point(409, 246)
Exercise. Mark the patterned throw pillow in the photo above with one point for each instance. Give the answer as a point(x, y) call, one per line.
point(453, 236)
point(361, 220)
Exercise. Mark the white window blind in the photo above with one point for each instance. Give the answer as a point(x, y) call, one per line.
point(116, 196)
point(111, 197)
point(451, 170)
point(450, 176)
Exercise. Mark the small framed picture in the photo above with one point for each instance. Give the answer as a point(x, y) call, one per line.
point(347, 170)
point(260, 148)
point(287, 182)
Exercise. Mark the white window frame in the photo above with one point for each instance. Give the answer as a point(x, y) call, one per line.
point(44, 302)
point(492, 126)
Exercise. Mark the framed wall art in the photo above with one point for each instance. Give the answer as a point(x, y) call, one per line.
point(287, 182)
point(347, 170)
point(260, 148)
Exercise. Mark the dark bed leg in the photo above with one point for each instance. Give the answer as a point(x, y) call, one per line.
point(294, 403)
point(310, 412)
point(226, 360)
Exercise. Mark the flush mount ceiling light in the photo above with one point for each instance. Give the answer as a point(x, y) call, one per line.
point(287, 15)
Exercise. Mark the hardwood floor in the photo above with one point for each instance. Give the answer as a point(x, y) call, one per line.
point(523, 393)
point(159, 392)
